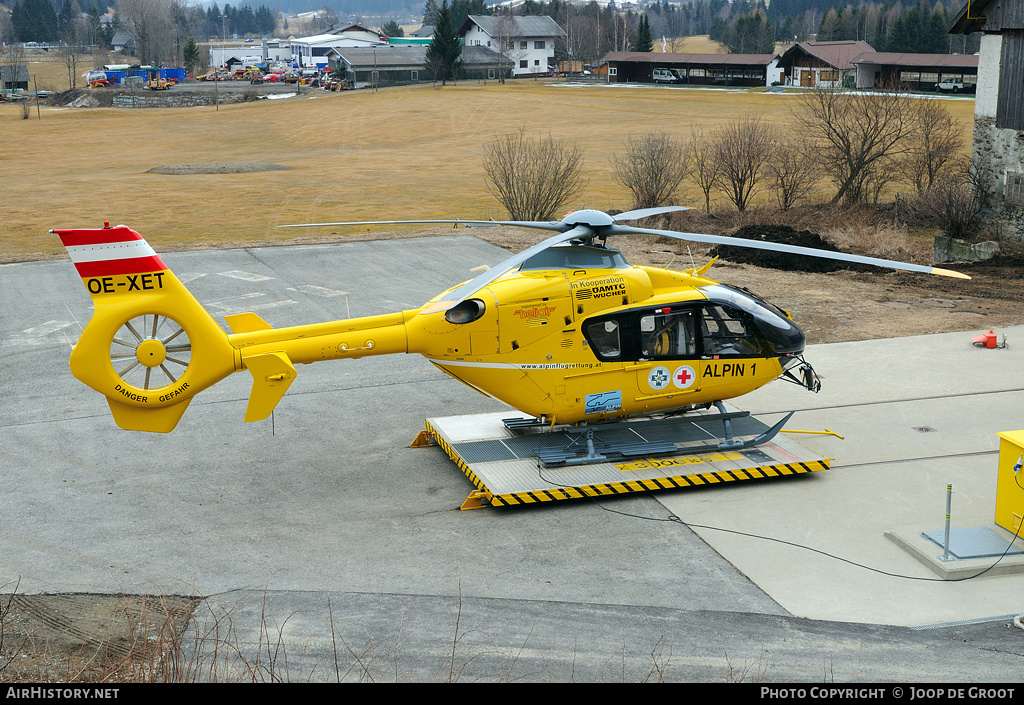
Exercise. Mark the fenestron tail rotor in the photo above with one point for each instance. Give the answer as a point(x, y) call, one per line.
point(150, 351)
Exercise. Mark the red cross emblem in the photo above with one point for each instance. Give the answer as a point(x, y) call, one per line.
point(684, 376)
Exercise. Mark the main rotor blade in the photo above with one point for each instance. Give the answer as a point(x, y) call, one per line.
point(555, 225)
point(460, 293)
point(647, 212)
point(780, 247)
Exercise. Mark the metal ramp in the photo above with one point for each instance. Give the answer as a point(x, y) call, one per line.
point(504, 466)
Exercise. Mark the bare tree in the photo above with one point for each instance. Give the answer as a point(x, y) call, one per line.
point(533, 177)
point(880, 175)
point(508, 48)
point(149, 23)
point(934, 142)
point(704, 168)
point(72, 33)
point(954, 200)
point(852, 132)
point(792, 172)
point(652, 169)
point(742, 149)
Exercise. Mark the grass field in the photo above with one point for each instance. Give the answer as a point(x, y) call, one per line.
point(360, 155)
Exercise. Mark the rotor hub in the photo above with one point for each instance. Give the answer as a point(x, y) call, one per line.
point(589, 217)
point(151, 352)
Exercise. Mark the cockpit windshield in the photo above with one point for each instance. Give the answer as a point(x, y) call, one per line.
point(780, 332)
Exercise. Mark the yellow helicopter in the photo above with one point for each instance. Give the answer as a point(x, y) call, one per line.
point(566, 331)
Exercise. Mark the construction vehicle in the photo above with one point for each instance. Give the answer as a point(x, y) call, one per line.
point(97, 79)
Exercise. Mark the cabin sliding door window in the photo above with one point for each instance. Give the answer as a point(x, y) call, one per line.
point(667, 335)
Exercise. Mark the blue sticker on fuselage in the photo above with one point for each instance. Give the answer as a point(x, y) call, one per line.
point(603, 402)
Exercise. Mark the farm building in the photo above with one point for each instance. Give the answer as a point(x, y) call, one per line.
point(914, 72)
point(528, 42)
point(397, 65)
point(312, 51)
point(123, 42)
point(999, 106)
point(13, 78)
point(692, 69)
point(824, 64)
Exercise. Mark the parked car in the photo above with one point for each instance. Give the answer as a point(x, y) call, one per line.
point(667, 76)
point(950, 84)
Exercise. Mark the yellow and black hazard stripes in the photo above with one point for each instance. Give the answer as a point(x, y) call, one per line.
point(462, 465)
point(656, 483)
point(653, 478)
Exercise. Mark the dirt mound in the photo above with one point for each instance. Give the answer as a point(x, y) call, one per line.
point(782, 260)
point(66, 97)
point(219, 168)
point(993, 266)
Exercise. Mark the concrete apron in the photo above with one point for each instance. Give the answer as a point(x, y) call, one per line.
point(916, 414)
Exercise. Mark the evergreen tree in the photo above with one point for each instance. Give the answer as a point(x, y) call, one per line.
point(430, 13)
point(644, 42)
point(190, 56)
point(461, 9)
point(751, 34)
point(34, 21)
point(392, 29)
point(444, 54)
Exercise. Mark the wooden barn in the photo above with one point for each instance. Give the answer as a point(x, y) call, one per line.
point(691, 69)
point(915, 72)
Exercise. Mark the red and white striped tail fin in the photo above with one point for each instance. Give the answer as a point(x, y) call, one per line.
point(110, 259)
point(108, 251)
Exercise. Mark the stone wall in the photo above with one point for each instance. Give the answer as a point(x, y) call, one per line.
point(174, 99)
point(1002, 152)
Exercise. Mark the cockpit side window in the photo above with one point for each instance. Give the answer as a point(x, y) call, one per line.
point(605, 338)
point(725, 332)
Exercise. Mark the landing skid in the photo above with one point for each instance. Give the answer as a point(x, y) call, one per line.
point(505, 469)
point(588, 447)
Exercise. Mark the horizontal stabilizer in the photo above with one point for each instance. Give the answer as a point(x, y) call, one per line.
point(272, 374)
point(246, 323)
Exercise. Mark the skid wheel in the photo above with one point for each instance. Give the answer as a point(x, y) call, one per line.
point(150, 351)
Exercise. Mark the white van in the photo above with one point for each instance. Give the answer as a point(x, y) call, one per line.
point(667, 76)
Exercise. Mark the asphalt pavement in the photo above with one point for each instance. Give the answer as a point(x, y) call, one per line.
point(320, 528)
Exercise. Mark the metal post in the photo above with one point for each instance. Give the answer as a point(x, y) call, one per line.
point(949, 503)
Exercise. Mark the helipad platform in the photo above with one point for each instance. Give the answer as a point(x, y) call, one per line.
point(504, 467)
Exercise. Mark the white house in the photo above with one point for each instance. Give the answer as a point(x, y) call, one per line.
point(313, 51)
point(527, 42)
point(822, 64)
